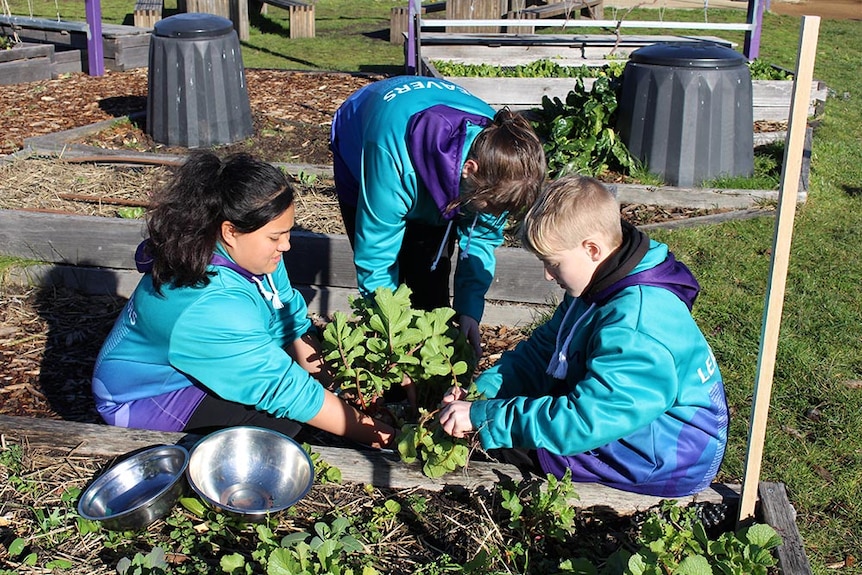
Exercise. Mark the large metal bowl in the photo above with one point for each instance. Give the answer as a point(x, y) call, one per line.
point(138, 490)
point(250, 471)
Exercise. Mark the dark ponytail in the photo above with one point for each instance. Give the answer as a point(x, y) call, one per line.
point(185, 219)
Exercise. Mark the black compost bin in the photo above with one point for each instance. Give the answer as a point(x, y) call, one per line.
point(197, 96)
point(685, 110)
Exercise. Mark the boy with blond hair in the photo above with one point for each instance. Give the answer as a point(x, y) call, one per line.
point(619, 386)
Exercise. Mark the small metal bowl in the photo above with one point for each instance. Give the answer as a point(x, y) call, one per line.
point(249, 472)
point(138, 490)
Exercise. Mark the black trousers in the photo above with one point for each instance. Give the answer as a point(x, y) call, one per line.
point(418, 250)
point(215, 413)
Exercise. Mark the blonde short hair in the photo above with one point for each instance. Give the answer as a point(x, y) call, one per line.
point(569, 210)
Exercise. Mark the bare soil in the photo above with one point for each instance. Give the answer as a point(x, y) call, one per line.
point(831, 9)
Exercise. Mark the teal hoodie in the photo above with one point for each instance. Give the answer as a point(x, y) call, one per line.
point(370, 145)
point(639, 406)
point(225, 337)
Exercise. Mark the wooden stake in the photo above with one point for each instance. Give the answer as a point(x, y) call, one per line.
point(787, 197)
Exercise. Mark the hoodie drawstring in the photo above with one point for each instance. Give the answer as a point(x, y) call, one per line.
point(465, 253)
point(276, 301)
point(559, 365)
point(270, 296)
point(442, 246)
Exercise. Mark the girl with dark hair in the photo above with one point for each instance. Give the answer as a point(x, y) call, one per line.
point(214, 335)
point(421, 164)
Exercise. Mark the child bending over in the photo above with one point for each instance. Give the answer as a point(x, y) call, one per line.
point(619, 386)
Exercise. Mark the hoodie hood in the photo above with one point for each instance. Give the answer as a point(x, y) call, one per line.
point(615, 273)
point(144, 259)
point(435, 141)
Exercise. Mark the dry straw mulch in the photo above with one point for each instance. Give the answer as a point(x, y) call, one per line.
point(106, 189)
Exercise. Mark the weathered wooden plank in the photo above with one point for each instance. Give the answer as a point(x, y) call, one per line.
point(363, 466)
point(70, 239)
point(28, 69)
point(302, 24)
point(67, 62)
point(437, 39)
point(698, 198)
point(569, 9)
point(147, 13)
point(778, 512)
point(770, 98)
point(24, 22)
point(315, 259)
point(322, 301)
point(25, 52)
point(323, 260)
point(234, 10)
point(474, 10)
point(399, 18)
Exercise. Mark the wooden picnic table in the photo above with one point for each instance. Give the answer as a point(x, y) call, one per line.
point(301, 13)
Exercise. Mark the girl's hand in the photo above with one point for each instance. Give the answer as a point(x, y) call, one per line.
point(455, 418)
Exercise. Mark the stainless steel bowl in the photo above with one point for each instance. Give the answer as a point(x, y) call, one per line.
point(250, 471)
point(138, 490)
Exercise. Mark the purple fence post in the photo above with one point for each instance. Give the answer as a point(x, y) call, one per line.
point(412, 10)
point(751, 48)
point(95, 50)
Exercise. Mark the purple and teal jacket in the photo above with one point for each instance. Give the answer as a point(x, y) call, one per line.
point(398, 147)
point(619, 386)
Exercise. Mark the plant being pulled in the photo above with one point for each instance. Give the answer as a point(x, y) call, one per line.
point(384, 344)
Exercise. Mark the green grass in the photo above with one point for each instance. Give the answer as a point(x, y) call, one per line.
point(350, 36)
point(812, 442)
point(814, 435)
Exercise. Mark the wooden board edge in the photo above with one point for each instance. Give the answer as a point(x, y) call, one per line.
point(363, 466)
point(778, 512)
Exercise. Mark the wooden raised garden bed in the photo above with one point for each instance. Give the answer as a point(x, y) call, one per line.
point(770, 98)
point(94, 254)
point(64, 44)
point(385, 470)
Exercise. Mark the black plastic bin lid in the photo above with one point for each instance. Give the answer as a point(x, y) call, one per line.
point(688, 55)
point(192, 25)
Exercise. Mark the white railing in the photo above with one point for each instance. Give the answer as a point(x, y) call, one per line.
point(751, 27)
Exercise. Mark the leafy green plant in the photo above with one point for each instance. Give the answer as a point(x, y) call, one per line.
point(131, 212)
point(578, 135)
point(541, 509)
point(674, 540)
point(323, 472)
point(325, 551)
point(153, 563)
point(306, 178)
point(543, 68)
point(426, 442)
point(762, 70)
point(386, 341)
point(12, 458)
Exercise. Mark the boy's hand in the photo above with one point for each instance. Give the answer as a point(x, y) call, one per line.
point(454, 393)
point(455, 418)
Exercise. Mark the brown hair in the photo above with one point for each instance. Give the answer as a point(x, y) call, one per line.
point(569, 210)
point(511, 165)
